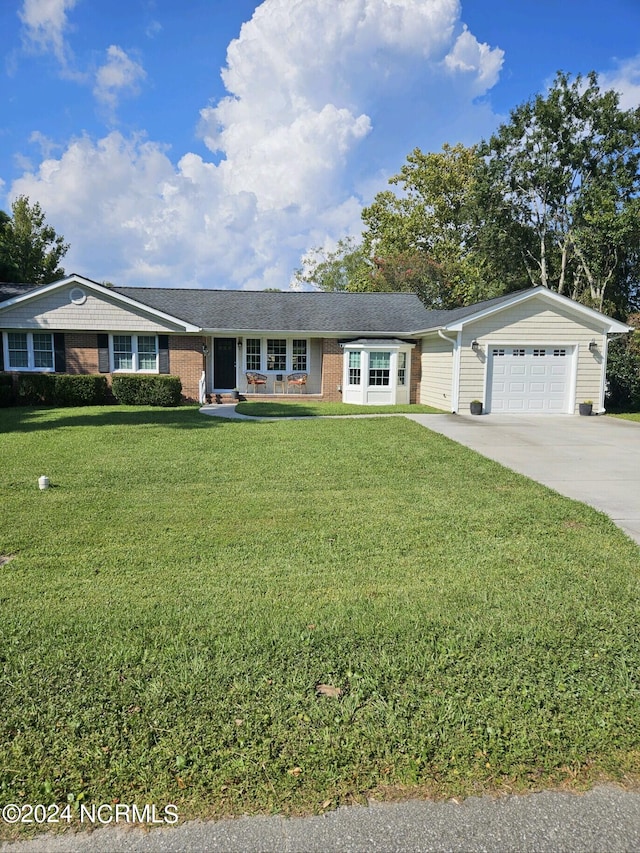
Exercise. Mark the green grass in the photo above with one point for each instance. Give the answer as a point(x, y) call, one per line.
point(627, 416)
point(310, 408)
point(175, 598)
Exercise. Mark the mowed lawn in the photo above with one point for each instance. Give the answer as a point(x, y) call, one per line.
point(174, 600)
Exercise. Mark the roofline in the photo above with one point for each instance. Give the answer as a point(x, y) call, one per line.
point(311, 333)
point(99, 288)
point(612, 326)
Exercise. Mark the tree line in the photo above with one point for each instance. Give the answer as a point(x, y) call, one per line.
point(551, 198)
point(30, 249)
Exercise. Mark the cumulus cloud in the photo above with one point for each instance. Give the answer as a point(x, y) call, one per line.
point(625, 79)
point(118, 76)
point(312, 88)
point(45, 23)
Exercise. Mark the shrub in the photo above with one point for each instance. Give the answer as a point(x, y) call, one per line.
point(6, 390)
point(135, 390)
point(623, 374)
point(36, 389)
point(62, 389)
point(80, 390)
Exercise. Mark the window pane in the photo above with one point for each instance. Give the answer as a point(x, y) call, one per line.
point(122, 352)
point(380, 360)
point(299, 362)
point(252, 354)
point(42, 350)
point(402, 368)
point(18, 352)
point(147, 352)
point(276, 354)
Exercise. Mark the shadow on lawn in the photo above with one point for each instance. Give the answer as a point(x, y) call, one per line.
point(32, 419)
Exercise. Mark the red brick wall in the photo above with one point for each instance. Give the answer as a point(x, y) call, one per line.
point(81, 350)
point(185, 361)
point(185, 358)
point(332, 355)
point(416, 373)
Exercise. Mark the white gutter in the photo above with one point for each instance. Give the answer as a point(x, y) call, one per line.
point(455, 379)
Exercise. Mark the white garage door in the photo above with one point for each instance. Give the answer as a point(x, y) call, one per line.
point(530, 379)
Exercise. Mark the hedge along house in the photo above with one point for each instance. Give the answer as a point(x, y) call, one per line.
point(531, 351)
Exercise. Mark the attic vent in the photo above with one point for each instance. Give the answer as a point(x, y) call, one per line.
point(77, 296)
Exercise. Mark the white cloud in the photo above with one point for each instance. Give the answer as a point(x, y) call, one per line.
point(45, 23)
point(322, 96)
point(119, 75)
point(625, 80)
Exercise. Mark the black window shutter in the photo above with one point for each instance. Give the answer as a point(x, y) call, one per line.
point(103, 353)
point(163, 353)
point(60, 359)
point(1, 351)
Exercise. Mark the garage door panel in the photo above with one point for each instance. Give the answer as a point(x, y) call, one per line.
point(530, 379)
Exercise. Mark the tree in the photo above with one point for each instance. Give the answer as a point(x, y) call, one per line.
point(434, 221)
point(344, 268)
point(560, 180)
point(30, 250)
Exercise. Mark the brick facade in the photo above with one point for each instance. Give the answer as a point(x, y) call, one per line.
point(332, 356)
point(185, 358)
point(186, 361)
point(416, 373)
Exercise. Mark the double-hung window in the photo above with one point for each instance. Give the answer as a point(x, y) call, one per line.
point(277, 354)
point(379, 368)
point(29, 351)
point(135, 353)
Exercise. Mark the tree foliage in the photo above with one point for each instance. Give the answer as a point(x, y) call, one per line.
point(30, 249)
point(552, 198)
point(560, 181)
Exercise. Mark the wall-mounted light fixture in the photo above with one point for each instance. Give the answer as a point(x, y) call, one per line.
point(593, 346)
point(239, 344)
point(475, 346)
point(205, 349)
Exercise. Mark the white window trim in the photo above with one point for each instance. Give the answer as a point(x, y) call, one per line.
point(31, 368)
point(134, 355)
point(289, 368)
point(363, 389)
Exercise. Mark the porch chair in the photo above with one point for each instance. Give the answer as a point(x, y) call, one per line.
point(255, 379)
point(297, 380)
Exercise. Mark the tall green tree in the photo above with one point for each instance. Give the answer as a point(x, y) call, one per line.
point(433, 221)
point(30, 249)
point(560, 181)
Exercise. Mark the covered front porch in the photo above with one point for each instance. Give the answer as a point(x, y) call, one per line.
point(255, 367)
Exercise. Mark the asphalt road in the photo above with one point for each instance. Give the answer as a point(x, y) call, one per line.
point(603, 820)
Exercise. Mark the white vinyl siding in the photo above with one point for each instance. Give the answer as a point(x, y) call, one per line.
point(532, 325)
point(437, 373)
point(55, 310)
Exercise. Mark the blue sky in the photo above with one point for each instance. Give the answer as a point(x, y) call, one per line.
point(211, 143)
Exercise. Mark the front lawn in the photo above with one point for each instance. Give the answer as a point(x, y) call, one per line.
point(627, 416)
point(172, 603)
point(304, 408)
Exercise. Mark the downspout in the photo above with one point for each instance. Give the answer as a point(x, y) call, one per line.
point(455, 379)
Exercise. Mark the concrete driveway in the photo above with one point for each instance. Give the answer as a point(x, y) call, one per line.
point(595, 460)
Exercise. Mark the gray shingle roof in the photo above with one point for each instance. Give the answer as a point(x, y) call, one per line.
point(243, 310)
point(9, 291)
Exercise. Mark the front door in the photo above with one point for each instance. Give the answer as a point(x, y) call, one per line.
point(224, 363)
